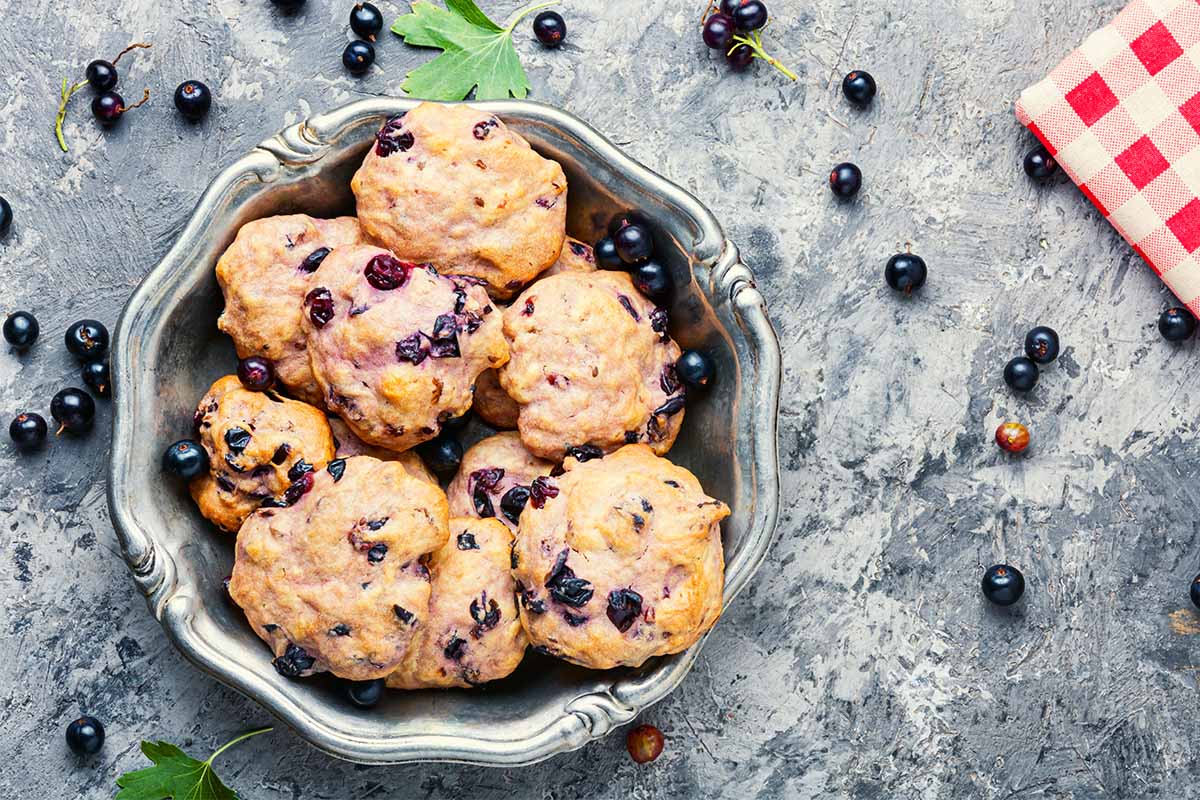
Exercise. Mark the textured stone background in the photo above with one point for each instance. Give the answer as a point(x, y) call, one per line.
point(863, 663)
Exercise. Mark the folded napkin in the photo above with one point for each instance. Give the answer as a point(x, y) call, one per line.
point(1122, 116)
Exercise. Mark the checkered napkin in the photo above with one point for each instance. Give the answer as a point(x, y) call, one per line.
point(1122, 116)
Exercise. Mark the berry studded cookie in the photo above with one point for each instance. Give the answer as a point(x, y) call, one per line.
point(497, 479)
point(335, 581)
point(471, 633)
point(396, 347)
point(264, 276)
point(622, 561)
point(592, 366)
point(261, 447)
point(347, 445)
point(452, 185)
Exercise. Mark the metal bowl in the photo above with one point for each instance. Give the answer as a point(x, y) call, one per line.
point(168, 350)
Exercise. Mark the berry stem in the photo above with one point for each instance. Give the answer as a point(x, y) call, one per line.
point(145, 97)
point(67, 91)
point(754, 42)
point(526, 11)
point(134, 46)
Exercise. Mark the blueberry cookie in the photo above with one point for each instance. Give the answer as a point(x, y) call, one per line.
point(621, 562)
point(396, 347)
point(592, 366)
point(496, 479)
point(347, 445)
point(260, 446)
point(452, 185)
point(335, 582)
point(264, 276)
point(471, 633)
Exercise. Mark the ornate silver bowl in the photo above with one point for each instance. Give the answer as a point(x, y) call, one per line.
point(168, 350)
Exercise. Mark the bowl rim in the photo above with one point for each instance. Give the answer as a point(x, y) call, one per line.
point(296, 150)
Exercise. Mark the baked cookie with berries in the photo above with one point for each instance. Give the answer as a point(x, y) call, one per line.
point(395, 346)
point(260, 447)
point(471, 633)
point(498, 477)
point(454, 186)
point(335, 581)
point(622, 562)
point(264, 276)
point(347, 445)
point(592, 366)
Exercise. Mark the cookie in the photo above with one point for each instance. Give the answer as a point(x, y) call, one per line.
point(495, 479)
point(471, 633)
point(259, 445)
point(452, 185)
point(264, 276)
point(592, 366)
point(620, 561)
point(347, 445)
point(335, 581)
point(575, 257)
point(492, 403)
point(396, 347)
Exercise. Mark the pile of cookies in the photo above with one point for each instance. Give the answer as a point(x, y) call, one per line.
point(455, 288)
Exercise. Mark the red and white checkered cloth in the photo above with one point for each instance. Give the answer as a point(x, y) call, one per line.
point(1122, 116)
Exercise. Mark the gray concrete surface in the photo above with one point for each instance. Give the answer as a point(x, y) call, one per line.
point(863, 663)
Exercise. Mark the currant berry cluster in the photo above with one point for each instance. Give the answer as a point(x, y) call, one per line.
point(366, 21)
point(73, 409)
point(734, 28)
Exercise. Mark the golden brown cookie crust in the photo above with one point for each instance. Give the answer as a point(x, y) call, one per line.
point(622, 562)
point(471, 634)
point(575, 257)
point(264, 276)
point(490, 470)
point(254, 440)
point(335, 581)
point(396, 363)
point(452, 185)
point(591, 364)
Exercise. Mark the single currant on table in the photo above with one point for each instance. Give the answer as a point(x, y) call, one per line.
point(859, 87)
point(28, 430)
point(1194, 591)
point(6, 217)
point(1176, 324)
point(87, 339)
point(905, 272)
point(1041, 344)
point(1003, 584)
point(1012, 437)
point(366, 20)
point(85, 736)
point(1039, 163)
point(192, 100)
point(1021, 374)
point(21, 329)
point(550, 28)
point(644, 743)
point(74, 410)
point(845, 180)
point(358, 56)
point(95, 376)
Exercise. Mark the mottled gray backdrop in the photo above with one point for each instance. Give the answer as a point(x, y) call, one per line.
point(863, 662)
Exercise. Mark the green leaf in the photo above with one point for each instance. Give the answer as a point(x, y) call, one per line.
point(176, 775)
point(476, 52)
